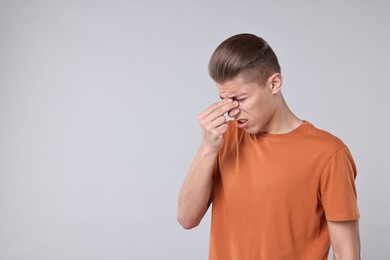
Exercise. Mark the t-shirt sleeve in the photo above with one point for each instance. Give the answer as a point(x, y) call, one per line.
point(337, 187)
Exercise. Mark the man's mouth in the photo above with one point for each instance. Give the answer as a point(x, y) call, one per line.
point(241, 123)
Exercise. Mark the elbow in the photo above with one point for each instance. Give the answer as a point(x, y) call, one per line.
point(186, 222)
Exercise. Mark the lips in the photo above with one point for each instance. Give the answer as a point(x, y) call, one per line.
point(241, 123)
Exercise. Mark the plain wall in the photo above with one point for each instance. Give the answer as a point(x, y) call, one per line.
point(98, 106)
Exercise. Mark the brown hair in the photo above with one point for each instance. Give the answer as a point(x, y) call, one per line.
point(243, 53)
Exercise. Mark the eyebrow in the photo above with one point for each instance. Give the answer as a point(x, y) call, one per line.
point(234, 97)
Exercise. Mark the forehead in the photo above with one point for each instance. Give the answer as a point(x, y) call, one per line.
point(234, 87)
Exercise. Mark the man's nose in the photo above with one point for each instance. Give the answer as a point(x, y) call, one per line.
point(234, 112)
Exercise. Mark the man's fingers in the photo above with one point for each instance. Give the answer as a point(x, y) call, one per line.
point(213, 107)
point(216, 132)
point(217, 109)
point(222, 110)
point(213, 121)
point(220, 130)
point(216, 122)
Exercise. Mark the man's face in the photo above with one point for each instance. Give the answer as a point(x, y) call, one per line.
point(257, 104)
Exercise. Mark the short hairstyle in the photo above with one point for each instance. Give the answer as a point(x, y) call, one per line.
point(243, 53)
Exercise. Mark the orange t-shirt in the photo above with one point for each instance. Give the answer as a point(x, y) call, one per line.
point(274, 193)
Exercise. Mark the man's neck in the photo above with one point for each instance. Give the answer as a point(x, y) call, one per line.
point(283, 120)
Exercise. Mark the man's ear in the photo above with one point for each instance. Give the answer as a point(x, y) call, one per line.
point(275, 82)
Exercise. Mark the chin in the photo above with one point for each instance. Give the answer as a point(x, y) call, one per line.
point(250, 131)
point(253, 130)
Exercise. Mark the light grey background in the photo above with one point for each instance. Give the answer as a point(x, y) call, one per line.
point(98, 106)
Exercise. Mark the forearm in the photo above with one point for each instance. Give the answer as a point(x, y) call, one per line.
point(195, 193)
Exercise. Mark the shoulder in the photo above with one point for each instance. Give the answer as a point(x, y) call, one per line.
point(322, 138)
point(317, 144)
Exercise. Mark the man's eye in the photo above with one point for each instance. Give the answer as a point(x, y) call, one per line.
point(240, 99)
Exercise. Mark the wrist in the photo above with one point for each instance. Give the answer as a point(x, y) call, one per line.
point(208, 150)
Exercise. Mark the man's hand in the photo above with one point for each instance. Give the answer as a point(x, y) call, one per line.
point(213, 123)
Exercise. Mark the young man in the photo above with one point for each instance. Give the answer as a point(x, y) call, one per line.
point(280, 188)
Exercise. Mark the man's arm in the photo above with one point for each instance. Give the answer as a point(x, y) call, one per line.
point(195, 193)
point(345, 239)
